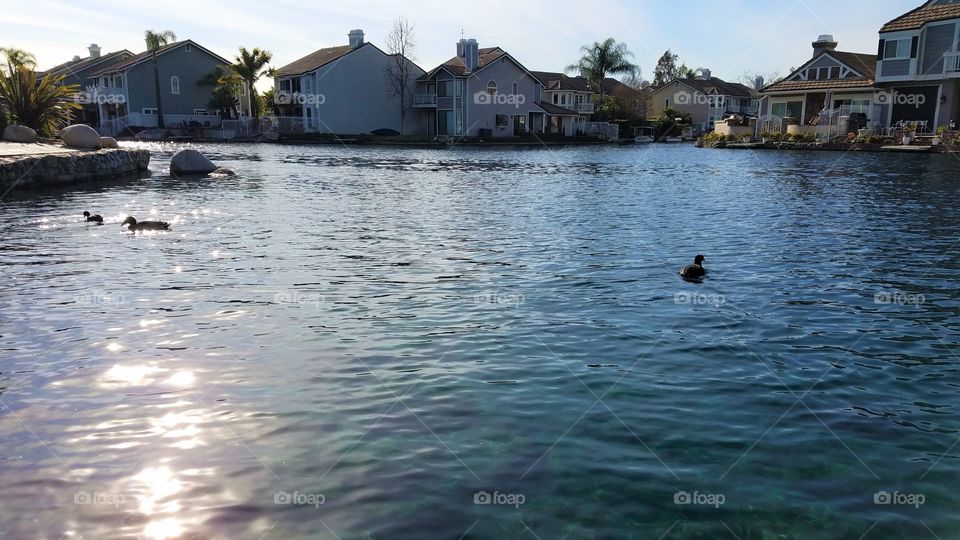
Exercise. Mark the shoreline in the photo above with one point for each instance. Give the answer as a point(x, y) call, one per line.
point(38, 165)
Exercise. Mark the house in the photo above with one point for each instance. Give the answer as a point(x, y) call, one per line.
point(127, 89)
point(484, 93)
point(568, 102)
point(79, 71)
point(705, 98)
point(918, 66)
point(345, 90)
point(838, 82)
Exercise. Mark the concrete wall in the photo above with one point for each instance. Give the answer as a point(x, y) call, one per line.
point(356, 96)
point(190, 67)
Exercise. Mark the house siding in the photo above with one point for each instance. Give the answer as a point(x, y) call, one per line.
point(190, 67)
point(939, 40)
point(484, 115)
point(894, 68)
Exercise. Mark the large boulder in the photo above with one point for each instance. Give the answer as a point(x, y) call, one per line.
point(108, 142)
point(20, 134)
point(189, 161)
point(80, 136)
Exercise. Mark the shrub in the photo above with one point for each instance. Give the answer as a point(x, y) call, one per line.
point(712, 137)
point(732, 138)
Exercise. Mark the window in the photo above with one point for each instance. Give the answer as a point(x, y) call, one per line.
point(556, 99)
point(174, 85)
point(502, 121)
point(149, 111)
point(516, 89)
point(443, 89)
point(187, 47)
point(492, 87)
point(896, 49)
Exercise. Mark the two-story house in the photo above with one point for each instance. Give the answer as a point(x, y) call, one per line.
point(830, 80)
point(128, 96)
point(484, 93)
point(79, 71)
point(347, 90)
point(707, 99)
point(918, 65)
point(568, 102)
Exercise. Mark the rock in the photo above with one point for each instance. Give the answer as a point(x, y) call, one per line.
point(189, 161)
point(80, 136)
point(20, 134)
point(108, 142)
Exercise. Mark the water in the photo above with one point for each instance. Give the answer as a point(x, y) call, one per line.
point(382, 335)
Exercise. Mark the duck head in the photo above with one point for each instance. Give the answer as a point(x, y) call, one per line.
point(129, 221)
point(86, 214)
point(698, 260)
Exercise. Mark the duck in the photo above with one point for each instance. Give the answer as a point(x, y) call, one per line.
point(145, 225)
point(695, 270)
point(96, 218)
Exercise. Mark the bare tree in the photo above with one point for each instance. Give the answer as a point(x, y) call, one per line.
point(401, 47)
point(751, 79)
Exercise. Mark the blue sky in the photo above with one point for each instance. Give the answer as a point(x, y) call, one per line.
point(729, 37)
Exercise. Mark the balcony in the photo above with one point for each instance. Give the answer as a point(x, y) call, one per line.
point(584, 108)
point(951, 64)
point(425, 100)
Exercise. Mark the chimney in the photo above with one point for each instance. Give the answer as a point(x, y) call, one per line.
point(94, 50)
point(705, 74)
point(758, 82)
point(356, 38)
point(469, 50)
point(823, 44)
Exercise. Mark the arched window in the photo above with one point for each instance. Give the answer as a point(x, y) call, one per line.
point(515, 89)
point(492, 87)
point(174, 85)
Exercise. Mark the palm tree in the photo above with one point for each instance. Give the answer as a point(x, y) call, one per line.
point(45, 105)
point(250, 66)
point(601, 59)
point(226, 85)
point(17, 57)
point(155, 40)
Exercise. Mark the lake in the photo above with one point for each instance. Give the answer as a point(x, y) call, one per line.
point(379, 343)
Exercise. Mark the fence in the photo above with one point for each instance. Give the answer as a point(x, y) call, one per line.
point(603, 130)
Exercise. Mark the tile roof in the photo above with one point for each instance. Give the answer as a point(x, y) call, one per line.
point(865, 64)
point(556, 110)
point(714, 84)
point(456, 66)
point(559, 81)
point(145, 55)
point(922, 15)
point(80, 64)
point(315, 60)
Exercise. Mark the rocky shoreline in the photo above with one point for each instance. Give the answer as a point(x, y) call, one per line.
point(25, 171)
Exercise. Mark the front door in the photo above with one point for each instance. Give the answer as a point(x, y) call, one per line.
point(519, 125)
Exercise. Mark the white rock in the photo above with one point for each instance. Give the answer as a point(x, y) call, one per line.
point(189, 161)
point(80, 136)
point(108, 142)
point(20, 134)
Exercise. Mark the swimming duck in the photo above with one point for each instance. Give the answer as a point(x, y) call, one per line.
point(97, 218)
point(145, 225)
point(695, 270)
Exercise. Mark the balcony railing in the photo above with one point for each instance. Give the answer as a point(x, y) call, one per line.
point(425, 100)
point(585, 108)
point(951, 63)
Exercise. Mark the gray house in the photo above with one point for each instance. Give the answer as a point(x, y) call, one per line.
point(481, 93)
point(345, 90)
point(127, 94)
point(79, 71)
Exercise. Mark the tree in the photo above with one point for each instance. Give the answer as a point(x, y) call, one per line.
point(156, 40)
point(250, 66)
point(401, 46)
point(666, 69)
point(226, 85)
point(602, 59)
point(45, 105)
point(670, 123)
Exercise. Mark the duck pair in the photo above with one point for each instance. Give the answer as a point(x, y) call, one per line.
point(134, 225)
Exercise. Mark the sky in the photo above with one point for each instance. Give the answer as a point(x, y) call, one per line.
point(729, 37)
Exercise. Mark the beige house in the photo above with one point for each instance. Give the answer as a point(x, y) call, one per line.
point(705, 98)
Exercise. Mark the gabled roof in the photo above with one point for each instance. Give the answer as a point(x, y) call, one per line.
point(146, 55)
point(713, 86)
point(559, 81)
point(922, 15)
point(864, 64)
point(556, 110)
point(81, 64)
point(315, 60)
point(488, 56)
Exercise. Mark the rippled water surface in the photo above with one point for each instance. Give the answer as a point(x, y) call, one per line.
point(363, 343)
